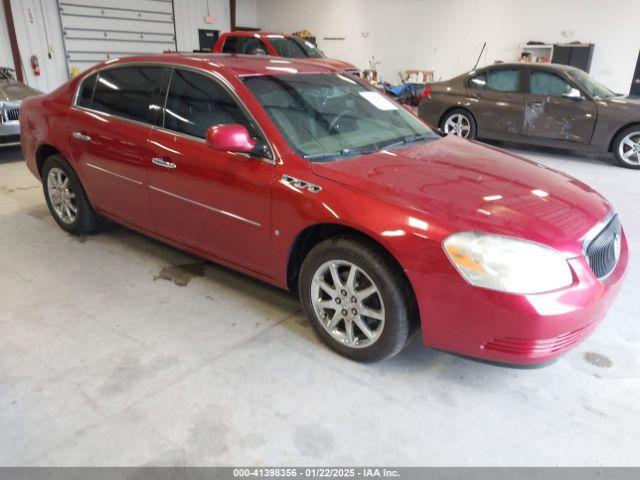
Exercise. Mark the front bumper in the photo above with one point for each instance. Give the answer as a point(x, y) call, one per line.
point(509, 328)
point(9, 133)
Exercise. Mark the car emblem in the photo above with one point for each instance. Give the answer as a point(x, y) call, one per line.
point(617, 246)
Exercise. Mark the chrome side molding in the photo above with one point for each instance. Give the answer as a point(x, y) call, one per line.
point(109, 172)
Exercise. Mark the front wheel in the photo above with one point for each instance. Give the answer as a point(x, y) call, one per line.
point(459, 122)
point(355, 299)
point(626, 147)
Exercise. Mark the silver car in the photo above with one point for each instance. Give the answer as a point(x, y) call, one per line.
point(12, 93)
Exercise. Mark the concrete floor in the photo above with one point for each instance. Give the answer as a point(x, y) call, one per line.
point(113, 352)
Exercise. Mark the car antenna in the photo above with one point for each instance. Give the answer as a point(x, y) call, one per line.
point(480, 56)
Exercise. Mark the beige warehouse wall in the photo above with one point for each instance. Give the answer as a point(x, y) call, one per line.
point(6, 60)
point(447, 36)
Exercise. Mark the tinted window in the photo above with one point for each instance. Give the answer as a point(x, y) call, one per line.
point(230, 45)
point(86, 91)
point(245, 46)
point(126, 91)
point(479, 81)
point(504, 80)
point(196, 102)
point(548, 84)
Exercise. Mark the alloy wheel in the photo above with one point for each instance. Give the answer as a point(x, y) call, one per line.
point(629, 149)
point(457, 124)
point(61, 195)
point(347, 303)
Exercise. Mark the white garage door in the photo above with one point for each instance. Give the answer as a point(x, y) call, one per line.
point(98, 30)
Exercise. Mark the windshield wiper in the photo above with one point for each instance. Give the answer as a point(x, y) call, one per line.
point(345, 152)
point(417, 137)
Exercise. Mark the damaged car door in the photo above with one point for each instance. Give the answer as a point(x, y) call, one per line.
point(557, 109)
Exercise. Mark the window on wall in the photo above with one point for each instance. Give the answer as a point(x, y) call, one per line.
point(504, 80)
point(126, 91)
point(549, 84)
point(195, 102)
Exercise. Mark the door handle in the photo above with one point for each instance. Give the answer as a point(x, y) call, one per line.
point(161, 162)
point(81, 136)
point(637, 80)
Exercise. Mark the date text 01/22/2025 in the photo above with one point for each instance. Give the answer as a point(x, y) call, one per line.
point(318, 472)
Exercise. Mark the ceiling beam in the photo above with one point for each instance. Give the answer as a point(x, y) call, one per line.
point(232, 12)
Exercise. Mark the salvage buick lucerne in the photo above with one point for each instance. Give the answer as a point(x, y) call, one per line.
point(311, 180)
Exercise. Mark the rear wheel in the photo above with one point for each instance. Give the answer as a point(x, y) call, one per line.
point(626, 147)
point(459, 122)
point(66, 198)
point(355, 299)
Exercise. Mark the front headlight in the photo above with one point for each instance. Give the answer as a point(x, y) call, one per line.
point(507, 264)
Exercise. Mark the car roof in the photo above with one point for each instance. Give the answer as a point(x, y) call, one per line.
point(245, 33)
point(541, 65)
point(241, 65)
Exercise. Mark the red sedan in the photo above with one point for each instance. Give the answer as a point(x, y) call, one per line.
point(312, 180)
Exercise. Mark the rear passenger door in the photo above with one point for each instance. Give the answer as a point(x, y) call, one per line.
point(216, 202)
point(499, 101)
point(557, 109)
point(109, 124)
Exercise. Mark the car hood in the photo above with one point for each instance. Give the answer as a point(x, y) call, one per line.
point(624, 103)
point(462, 185)
point(331, 63)
point(14, 91)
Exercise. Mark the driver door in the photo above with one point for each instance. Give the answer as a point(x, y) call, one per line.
point(214, 201)
point(556, 109)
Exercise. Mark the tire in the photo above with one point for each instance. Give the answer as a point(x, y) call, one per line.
point(372, 272)
point(461, 118)
point(626, 147)
point(59, 181)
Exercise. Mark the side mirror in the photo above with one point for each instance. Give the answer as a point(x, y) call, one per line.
point(573, 94)
point(230, 138)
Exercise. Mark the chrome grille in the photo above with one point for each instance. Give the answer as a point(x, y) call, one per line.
point(13, 114)
point(604, 250)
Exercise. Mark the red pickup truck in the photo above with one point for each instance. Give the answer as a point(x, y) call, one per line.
point(278, 45)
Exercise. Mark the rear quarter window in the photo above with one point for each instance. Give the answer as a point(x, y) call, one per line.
point(478, 81)
point(85, 95)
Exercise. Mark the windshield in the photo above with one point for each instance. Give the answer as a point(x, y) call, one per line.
point(324, 117)
point(592, 87)
point(294, 47)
